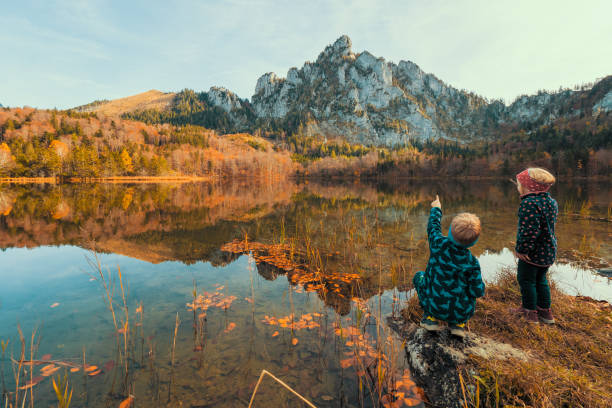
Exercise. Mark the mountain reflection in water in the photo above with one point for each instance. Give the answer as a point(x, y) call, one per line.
point(310, 270)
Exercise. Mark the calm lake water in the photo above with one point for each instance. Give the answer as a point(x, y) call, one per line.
point(305, 296)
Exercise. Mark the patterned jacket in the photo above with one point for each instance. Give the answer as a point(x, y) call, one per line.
point(535, 236)
point(452, 281)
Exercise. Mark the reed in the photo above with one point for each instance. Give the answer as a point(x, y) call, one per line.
point(261, 376)
point(3, 346)
point(62, 391)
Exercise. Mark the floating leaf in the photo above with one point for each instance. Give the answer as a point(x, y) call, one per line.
point(127, 403)
point(230, 327)
point(346, 363)
point(94, 373)
point(275, 334)
point(91, 368)
point(50, 372)
point(28, 385)
point(46, 357)
point(74, 369)
point(54, 305)
point(294, 341)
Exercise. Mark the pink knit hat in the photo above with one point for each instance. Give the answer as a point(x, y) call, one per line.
point(530, 184)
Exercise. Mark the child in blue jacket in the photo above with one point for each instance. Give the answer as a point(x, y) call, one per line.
point(451, 283)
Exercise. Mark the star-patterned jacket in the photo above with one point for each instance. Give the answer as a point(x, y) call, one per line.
point(452, 281)
point(535, 236)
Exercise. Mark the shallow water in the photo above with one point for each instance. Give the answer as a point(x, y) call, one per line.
point(165, 238)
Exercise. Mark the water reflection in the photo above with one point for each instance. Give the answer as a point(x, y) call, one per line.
point(310, 269)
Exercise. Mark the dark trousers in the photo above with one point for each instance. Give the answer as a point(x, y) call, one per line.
point(534, 285)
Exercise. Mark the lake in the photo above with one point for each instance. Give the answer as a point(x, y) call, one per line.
point(211, 284)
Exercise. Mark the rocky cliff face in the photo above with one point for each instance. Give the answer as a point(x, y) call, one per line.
point(369, 100)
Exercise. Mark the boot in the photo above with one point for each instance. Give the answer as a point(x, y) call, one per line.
point(530, 315)
point(430, 323)
point(545, 315)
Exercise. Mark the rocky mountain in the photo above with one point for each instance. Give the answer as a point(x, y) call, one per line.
point(363, 99)
point(369, 100)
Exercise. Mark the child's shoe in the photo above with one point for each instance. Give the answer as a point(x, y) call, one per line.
point(530, 315)
point(457, 329)
point(430, 323)
point(545, 315)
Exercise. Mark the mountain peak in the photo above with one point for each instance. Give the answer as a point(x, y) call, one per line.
point(340, 48)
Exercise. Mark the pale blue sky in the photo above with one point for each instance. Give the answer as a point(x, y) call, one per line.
point(66, 53)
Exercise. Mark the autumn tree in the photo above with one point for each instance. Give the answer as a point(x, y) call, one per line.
point(127, 166)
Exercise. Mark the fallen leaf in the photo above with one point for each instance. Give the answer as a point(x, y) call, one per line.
point(346, 363)
point(126, 403)
point(230, 327)
point(94, 373)
point(74, 369)
point(46, 357)
point(91, 368)
point(47, 367)
point(54, 305)
point(411, 402)
point(294, 341)
point(28, 385)
point(50, 372)
point(275, 334)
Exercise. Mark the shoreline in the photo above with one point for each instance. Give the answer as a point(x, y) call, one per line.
point(111, 180)
point(296, 177)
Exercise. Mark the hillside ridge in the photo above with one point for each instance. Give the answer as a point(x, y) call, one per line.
point(362, 99)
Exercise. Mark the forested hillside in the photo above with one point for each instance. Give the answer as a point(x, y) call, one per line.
point(39, 143)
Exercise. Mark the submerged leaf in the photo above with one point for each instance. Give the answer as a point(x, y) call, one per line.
point(126, 403)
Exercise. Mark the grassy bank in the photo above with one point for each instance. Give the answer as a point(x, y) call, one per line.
point(570, 362)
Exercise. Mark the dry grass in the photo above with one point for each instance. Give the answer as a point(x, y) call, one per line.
point(572, 360)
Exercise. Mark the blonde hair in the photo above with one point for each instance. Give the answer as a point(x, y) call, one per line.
point(541, 175)
point(465, 228)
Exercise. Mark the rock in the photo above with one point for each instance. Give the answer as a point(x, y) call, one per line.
point(434, 359)
point(224, 98)
point(365, 99)
point(604, 105)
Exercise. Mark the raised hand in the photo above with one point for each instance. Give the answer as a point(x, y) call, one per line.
point(436, 202)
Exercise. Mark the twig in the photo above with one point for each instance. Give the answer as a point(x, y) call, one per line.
point(281, 383)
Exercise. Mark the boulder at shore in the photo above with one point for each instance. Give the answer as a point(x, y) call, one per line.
point(436, 358)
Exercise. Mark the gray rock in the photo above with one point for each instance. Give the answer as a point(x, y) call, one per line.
point(365, 99)
point(434, 359)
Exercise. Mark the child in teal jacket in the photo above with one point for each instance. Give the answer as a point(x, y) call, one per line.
point(452, 281)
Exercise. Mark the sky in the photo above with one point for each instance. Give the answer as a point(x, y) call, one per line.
point(61, 53)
